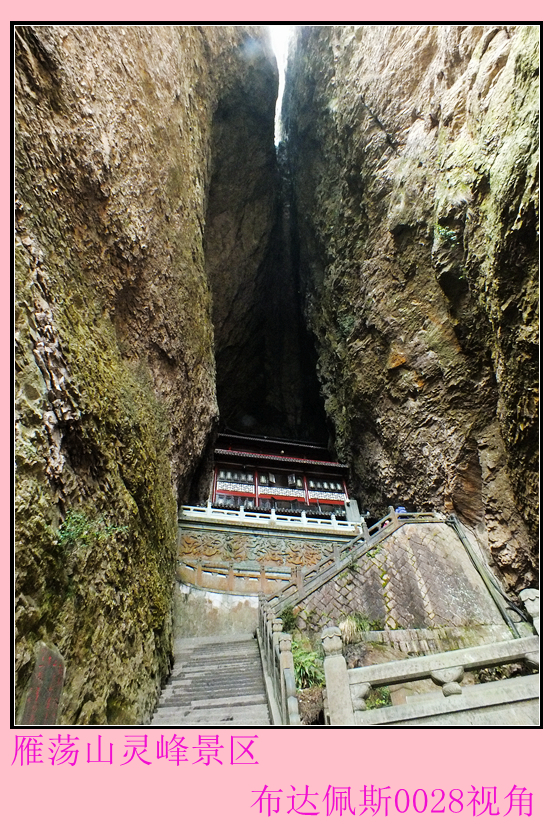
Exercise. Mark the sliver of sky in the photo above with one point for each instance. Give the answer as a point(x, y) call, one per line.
point(280, 39)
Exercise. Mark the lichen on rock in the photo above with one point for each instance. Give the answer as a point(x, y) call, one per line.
point(115, 350)
point(414, 152)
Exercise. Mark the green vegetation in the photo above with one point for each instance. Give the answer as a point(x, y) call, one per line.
point(346, 323)
point(355, 624)
point(447, 235)
point(288, 619)
point(308, 667)
point(79, 529)
point(378, 698)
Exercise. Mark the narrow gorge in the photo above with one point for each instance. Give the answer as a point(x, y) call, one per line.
point(370, 285)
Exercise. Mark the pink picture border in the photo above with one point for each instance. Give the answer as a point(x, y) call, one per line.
point(141, 798)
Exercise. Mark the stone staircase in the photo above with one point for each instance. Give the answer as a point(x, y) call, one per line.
point(217, 681)
point(312, 577)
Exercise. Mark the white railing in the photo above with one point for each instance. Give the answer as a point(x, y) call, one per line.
point(269, 519)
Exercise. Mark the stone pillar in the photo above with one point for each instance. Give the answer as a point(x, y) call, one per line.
point(297, 576)
point(352, 512)
point(263, 580)
point(290, 711)
point(261, 616)
point(531, 600)
point(230, 578)
point(337, 682)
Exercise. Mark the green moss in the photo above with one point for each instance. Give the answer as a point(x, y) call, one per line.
point(380, 697)
point(288, 619)
point(78, 529)
point(445, 234)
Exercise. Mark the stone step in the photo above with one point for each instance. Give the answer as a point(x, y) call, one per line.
point(215, 668)
point(225, 649)
point(246, 716)
point(185, 685)
point(221, 693)
point(211, 692)
point(213, 640)
point(222, 701)
point(212, 677)
point(214, 662)
point(209, 683)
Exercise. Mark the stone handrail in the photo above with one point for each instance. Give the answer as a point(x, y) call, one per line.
point(231, 579)
point(347, 689)
point(311, 578)
point(278, 665)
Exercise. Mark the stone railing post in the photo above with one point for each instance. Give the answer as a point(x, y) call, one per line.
point(290, 710)
point(230, 578)
point(297, 577)
point(270, 616)
point(261, 618)
point(340, 707)
point(276, 632)
point(263, 580)
point(285, 647)
point(531, 600)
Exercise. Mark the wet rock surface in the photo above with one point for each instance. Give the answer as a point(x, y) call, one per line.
point(162, 262)
point(413, 154)
point(118, 136)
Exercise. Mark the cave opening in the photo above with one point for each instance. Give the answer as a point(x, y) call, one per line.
point(265, 357)
point(280, 35)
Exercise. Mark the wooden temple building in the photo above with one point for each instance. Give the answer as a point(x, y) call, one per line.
point(260, 473)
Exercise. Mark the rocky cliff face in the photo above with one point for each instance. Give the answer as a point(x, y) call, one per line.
point(414, 153)
point(121, 133)
point(157, 263)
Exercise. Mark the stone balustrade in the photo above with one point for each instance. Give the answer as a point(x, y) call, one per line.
point(232, 579)
point(273, 518)
point(278, 666)
point(515, 700)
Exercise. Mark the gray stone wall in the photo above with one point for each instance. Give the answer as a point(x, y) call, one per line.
point(420, 577)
